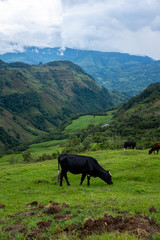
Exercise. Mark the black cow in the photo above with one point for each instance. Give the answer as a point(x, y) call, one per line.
point(130, 144)
point(78, 164)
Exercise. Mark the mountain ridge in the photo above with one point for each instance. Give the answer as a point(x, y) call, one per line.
point(121, 71)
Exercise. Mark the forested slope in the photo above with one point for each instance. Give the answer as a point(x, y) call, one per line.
point(36, 99)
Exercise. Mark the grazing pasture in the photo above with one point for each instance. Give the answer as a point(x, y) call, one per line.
point(46, 147)
point(133, 200)
point(83, 122)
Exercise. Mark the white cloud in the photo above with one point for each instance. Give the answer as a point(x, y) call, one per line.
point(121, 25)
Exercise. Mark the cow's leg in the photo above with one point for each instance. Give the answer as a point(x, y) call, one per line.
point(61, 178)
point(65, 176)
point(82, 178)
point(88, 178)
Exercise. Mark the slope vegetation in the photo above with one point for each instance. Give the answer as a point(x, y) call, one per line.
point(36, 99)
point(139, 118)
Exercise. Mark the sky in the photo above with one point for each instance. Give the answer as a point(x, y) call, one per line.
point(127, 26)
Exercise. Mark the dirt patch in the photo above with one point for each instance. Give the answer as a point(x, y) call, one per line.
point(26, 214)
point(66, 205)
point(152, 209)
point(141, 227)
point(52, 203)
point(41, 181)
point(44, 224)
point(2, 205)
point(61, 216)
point(31, 204)
point(31, 235)
point(35, 205)
point(2, 222)
point(36, 233)
point(52, 208)
point(15, 228)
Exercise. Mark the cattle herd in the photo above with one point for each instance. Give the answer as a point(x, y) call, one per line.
point(88, 166)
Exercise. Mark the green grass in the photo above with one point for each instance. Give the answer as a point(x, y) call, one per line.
point(83, 122)
point(124, 236)
point(136, 188)
point(48, 147)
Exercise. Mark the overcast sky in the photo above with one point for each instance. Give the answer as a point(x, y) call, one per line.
point(130, 26)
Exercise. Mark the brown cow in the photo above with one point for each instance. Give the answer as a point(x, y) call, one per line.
point(154, 148)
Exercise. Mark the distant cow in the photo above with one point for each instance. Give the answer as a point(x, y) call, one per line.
point(78, 164)
point(130, 144)
point(154, 148)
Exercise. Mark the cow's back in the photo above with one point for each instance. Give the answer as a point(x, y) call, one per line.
point(130, 144)
point(77, 163)
point(156, 145)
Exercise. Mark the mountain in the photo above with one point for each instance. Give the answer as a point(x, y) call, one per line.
point(36, 99)
point(139, 118)
point(120, 71)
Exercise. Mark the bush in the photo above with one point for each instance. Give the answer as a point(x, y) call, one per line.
point(27, 157)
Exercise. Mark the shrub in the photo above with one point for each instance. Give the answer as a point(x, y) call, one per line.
point(27, 157)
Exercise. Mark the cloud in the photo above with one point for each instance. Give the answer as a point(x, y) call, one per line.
point(121, 25)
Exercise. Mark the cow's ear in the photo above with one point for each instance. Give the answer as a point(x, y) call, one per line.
point(110, 173)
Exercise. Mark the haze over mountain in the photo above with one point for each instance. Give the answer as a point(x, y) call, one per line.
point(126, 73)
point(36, 99)
point(104, 25)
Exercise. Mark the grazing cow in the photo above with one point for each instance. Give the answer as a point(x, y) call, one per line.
point(154, 148)
point(130, 144)
point(78, 164)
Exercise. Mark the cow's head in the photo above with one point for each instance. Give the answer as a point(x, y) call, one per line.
point(150, 151)
point(107, 177)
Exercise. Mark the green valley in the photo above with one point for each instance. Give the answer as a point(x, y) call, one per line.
point(127, 210)
point(137, 120)
point(35, 100)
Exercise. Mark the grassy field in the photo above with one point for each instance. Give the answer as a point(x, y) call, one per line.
point(83, 122)
point(48, 147)
point(136, 188)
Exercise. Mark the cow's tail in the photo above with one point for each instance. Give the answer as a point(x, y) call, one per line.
point(58, 175)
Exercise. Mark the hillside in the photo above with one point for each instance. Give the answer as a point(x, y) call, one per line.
point(35, 99)
point(139, 118)
point(126, 73)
